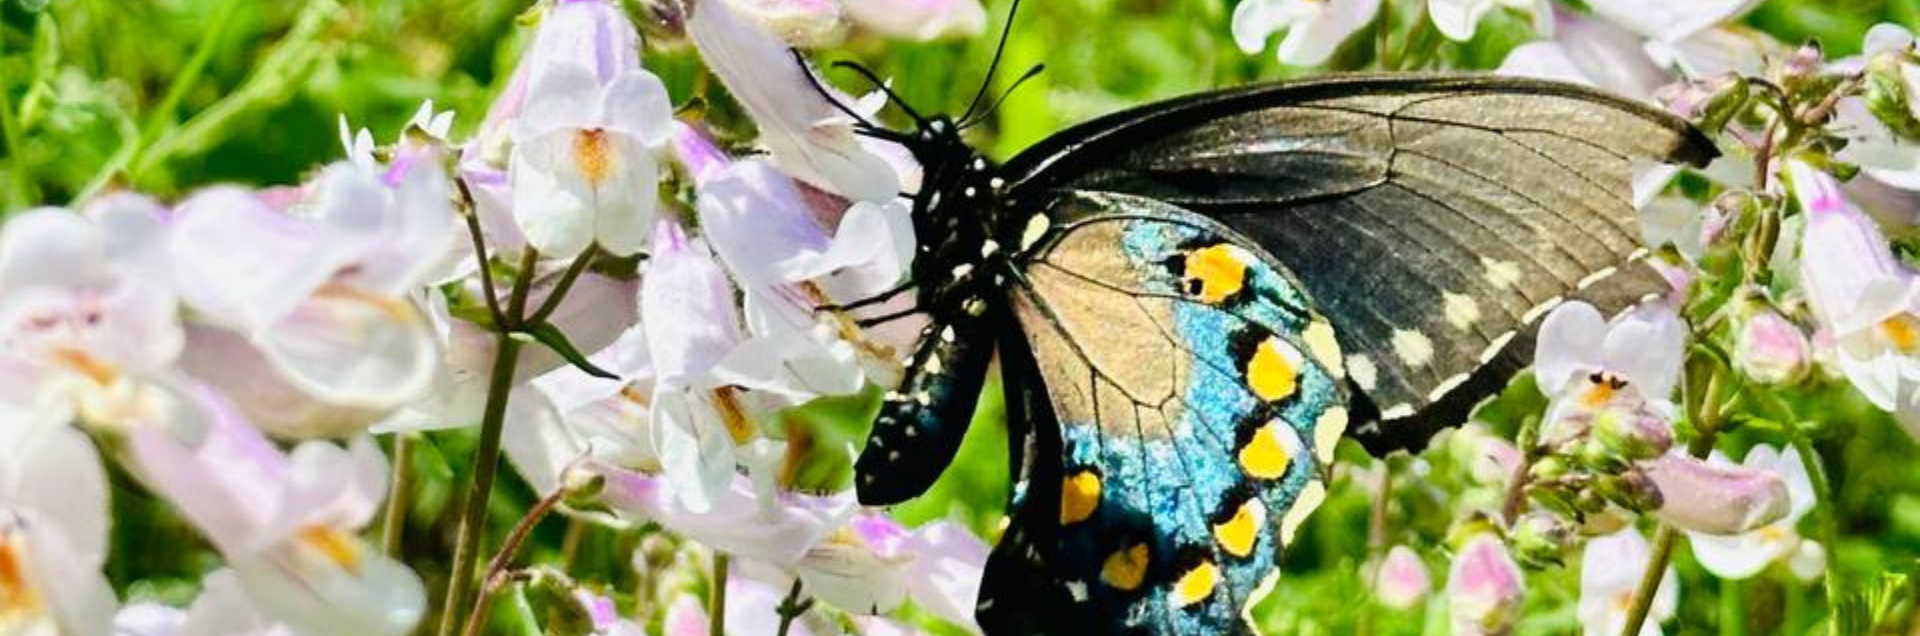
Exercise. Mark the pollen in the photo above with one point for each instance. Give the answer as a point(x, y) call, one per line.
point(1273, 373)
point(1217, 272)
point(1125, 568)
point(1902, 331)
point(1079, 496)
point(1196, 585)
point(336, 546)
point(593, 154)
point(1238, 534)
point(18, 599)
point(1269, 452)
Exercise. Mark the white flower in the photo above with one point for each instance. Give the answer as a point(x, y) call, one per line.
point(1745, 554)
point(919, 19)
point(53, 530)
point(1315, 28)
point(1867, 300)
point(1458, 19)
point(288, 524)
point(1670, 21)
point(809, 137)
point(1610, 569)
point(583, 168)
point(1585, 364)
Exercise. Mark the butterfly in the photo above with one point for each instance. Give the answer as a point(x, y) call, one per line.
point(1193, 301)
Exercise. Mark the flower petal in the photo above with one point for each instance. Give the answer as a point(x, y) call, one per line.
point(1571, 343)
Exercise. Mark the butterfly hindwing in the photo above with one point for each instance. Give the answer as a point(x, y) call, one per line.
point(1182, 370)
point(1431, 219)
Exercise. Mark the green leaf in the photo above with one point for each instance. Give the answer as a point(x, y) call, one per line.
point(547, 334)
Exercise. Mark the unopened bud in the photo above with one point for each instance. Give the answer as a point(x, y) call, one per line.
point(1539, 540)
point(1769, 348)
point(1631, 433)
point(1545, 468)
point(1631, 490)
point(1889, 85)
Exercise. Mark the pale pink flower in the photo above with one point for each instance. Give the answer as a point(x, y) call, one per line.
point(1458, 19)
point(1858, 291)
point(1610, 569)
point(1314, 28)
point(809, 137)
point(778, 530)
point(288, 525)
point(583, 168)
point(1715, 499)
point(1769, 348)
point(1485, 589)
point(1743, 555)
point(919, 19)
point(1402, 581)
point(53, 539)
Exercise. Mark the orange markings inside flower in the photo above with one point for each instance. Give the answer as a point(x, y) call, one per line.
point(593, 153)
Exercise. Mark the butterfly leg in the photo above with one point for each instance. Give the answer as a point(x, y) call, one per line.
point(920, 425)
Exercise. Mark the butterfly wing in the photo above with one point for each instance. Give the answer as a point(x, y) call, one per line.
point(1431, 219)
point(1174, 425)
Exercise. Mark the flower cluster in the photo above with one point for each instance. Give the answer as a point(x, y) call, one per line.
point(542, 279)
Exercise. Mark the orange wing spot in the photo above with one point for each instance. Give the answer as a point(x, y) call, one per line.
point(338, 547)
point(1268, 454)
point(1126, 568)
point(1079, 496)
point(593, 153)
point(1216, 272)
point(1240, 533)
point(1274, 370)
point(1196, 585)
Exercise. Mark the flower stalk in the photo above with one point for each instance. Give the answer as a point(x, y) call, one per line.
point(717, 597)
point(497, 574)
point(399, 496)
point(1707, 411)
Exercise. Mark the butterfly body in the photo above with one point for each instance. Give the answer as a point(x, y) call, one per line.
point(1192, 301)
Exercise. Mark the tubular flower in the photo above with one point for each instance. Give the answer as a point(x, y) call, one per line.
point(1593, 371)
point(1702, 497)
point(1610, 569)
point(53, 541)
point(1485, 588)
point(1402, 582)
point(1315, 28)
point(583, 167)
point(1745, 554)
point(1868, 301)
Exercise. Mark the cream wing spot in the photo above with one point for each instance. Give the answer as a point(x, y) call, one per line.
point(1310, 499)
point(1412, 347)
point(1500, 274)
point(1326, 433)
point(1361, 369)
point(1324, 347)
point(1460, 310)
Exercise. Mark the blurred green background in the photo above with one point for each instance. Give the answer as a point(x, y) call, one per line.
point(165, 96)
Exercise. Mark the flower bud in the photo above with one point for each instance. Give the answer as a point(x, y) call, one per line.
point(1402, 581)
point(1710, 103)
point(1769, 348)
point(1631, 433)
point(1540, 539)
point(1889, 86)
point(1631, 490)
point(1485, 589)
point(1595, 454)
point(1803, 75)
point(1549, 467)
point(1721, 500)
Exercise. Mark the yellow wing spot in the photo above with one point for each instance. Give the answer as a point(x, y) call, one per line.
point(1240, 533)
point(1216, 272)
point(1274, 371)
point(336, 546)
point(1271, 450)
point(1126, 568)
point(1079, 496)
point(1196, 585)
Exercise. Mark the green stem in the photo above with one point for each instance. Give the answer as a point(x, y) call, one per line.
point(717, 597)
point(1829, 519)
point(496, 575)
point(1733, 607)
point(572, 274)
point(17, 195)
point(466, 551)
point(1706, 414)
point(183, 82)
point(791, 608)
point(394, 524)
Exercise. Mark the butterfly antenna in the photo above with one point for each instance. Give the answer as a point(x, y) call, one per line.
point(882, 85)
point(998, 50)
point(981, 117)
point(861, 125)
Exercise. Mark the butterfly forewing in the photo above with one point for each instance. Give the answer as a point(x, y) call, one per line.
point(1431, 220)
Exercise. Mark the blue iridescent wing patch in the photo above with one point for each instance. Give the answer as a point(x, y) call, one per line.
point(1189, 380)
